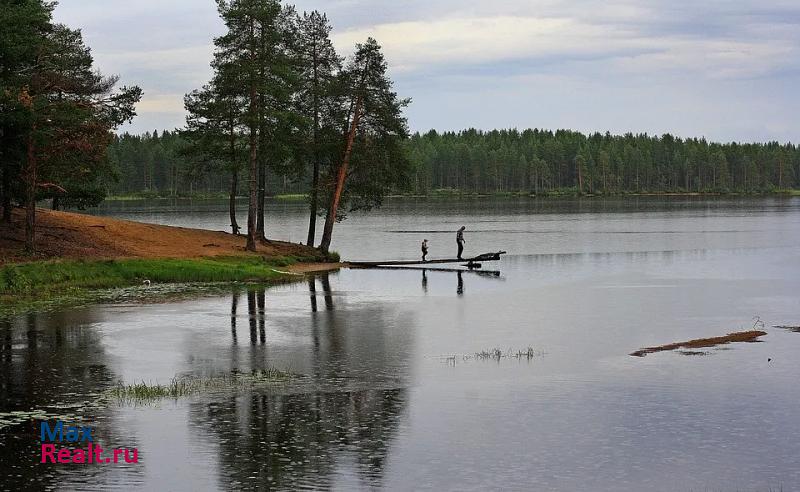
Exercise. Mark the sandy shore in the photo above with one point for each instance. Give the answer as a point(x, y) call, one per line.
point(78, 236)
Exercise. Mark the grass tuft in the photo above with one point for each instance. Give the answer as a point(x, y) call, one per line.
point(188, 386)
point(497, 354)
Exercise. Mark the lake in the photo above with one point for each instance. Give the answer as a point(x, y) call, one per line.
point(398, 386)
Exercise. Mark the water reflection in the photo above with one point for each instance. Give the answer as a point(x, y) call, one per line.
point(302, 440)
point(337, 423)
point(54, 363)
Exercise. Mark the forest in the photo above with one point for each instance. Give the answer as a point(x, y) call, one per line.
point(498, 161)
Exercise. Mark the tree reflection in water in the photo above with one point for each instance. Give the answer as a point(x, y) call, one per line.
point(340, 419)
point(301, 440)
point(53, 362)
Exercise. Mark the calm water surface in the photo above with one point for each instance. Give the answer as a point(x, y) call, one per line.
point(390, 393)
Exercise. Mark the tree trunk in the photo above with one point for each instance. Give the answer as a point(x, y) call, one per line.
point(341, 175)
point(262, 181)
point(234, 174)
point(6, 200)
point(262, 166)
point(252, 113)
point(30, 196)
point(232, 201)
point(312, 221)
point(252, 209)
point(56, 203)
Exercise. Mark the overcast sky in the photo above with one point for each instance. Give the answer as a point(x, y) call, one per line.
point(723, 69)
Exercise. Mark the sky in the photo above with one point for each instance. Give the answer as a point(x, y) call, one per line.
point(721, 69)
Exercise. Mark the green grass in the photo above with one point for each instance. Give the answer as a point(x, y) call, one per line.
point(188, 386)
point(52, 276)
point(37, 285)
point(291, 197)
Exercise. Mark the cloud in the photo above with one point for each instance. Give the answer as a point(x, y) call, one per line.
point(469, 42)
point(728, 70)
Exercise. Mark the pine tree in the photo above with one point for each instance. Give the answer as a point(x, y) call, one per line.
point(69, 111)
point(374, 138)
point(213, 128)
point(252, 60)
point(317, 100)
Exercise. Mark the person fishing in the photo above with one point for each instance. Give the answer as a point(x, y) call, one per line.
point(460, 241)
point(424, 249)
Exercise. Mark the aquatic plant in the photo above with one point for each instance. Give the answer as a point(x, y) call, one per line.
point(497, 354)
point(191, 385)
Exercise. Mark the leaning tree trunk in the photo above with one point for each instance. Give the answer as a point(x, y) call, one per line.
point(341, 175)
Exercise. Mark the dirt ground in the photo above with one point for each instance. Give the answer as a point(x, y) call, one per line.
point(79, 236)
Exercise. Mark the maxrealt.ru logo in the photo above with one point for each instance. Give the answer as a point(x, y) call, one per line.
point(74, 434)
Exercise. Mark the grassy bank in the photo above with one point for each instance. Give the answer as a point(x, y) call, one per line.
point(30, 285)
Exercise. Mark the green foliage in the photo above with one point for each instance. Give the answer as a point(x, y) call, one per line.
point(57, 112)
point(546, 162)
point(543, 163)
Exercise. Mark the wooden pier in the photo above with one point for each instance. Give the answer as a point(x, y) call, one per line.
point(473, 262)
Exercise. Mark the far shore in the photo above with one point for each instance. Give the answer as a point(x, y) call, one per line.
point(457, 194)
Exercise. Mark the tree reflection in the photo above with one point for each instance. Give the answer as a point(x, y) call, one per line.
point(55, 363)
point(299, 440)
point(339, 417)
point(234, 308)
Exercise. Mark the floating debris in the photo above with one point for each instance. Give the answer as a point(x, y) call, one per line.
point(742, 336)
point(795, 329)
point(10, 419)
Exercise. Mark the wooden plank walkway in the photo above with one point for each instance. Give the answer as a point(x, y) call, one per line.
point(475, 260)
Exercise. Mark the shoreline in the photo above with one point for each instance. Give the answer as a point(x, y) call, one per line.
point(80, 255)
point(455, 194)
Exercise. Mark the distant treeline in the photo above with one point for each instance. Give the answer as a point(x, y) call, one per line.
point(156, 164)
point(541, 161)
point(499, 161)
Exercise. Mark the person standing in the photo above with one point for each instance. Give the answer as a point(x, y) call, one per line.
point(424, 249)
point(460, 241)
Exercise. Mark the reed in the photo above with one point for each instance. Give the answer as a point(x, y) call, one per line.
point(190, 385)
